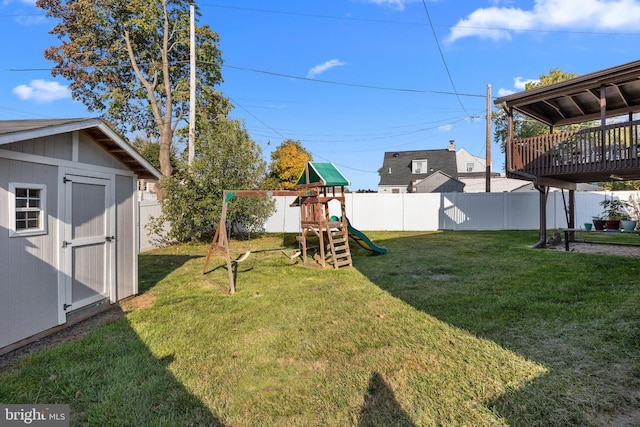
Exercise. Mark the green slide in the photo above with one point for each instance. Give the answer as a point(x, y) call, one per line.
point(362, 238)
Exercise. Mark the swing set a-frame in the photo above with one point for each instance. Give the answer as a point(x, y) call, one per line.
point(319, 184)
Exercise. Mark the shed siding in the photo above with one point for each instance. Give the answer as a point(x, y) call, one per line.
point(54, 146)
point(125, 237)
point(28, 283)
point(89, 152)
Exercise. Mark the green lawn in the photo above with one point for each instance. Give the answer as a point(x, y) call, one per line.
point(448, 328)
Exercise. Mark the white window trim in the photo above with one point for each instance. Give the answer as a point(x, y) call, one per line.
point(12, 210)
point(414, 166)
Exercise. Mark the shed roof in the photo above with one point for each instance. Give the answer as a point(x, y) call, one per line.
point(324, 174)
point(20, 130)
point(577, 100)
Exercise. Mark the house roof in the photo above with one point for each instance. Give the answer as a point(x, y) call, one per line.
point(435, 175)
point(577, 100)
point(20, 130)
point(399, 163)
point(325, 174)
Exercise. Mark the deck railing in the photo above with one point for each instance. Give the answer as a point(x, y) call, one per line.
point(616, 147)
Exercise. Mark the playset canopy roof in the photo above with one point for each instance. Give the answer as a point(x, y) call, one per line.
point(323, 174)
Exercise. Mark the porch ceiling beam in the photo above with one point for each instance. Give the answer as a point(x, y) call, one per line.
point(541, 103)
point(575, 104)
point(554, 107)
point(539, 117)
point(596, 116)
point(595, 94)
point(624, 98)
point(557, 183)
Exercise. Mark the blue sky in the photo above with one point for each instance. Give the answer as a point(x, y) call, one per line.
point(352, 79)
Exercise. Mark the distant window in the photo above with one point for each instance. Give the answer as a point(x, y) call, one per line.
point(469, 167)
point(395, 190)
point(27, 209)
point(419, 166)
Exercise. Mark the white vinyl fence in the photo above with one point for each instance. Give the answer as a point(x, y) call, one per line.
point(434, 211)
point(146, 210)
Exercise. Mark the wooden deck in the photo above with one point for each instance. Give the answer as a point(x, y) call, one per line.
point(586, 155)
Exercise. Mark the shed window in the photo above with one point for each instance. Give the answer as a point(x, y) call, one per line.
point(469, 167)
point(27, 209)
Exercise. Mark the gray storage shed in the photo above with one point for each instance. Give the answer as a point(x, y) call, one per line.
point(68, 223)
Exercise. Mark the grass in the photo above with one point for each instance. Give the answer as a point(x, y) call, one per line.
point(448, 328)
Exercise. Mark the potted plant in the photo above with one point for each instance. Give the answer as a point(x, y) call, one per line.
point(614, 212)
point(632, 206)
point(599, 222)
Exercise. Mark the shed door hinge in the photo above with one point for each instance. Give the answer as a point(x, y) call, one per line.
point(65, 306)
point(65, 244)
point(65, 180)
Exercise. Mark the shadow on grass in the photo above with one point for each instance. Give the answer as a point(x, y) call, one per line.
point(380, 406)
point(554, 308)
point(108, 376)
point(152, 267)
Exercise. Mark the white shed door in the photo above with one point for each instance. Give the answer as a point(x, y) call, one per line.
point(88, 241)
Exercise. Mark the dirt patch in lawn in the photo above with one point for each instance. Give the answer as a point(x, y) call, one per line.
point(600, 248)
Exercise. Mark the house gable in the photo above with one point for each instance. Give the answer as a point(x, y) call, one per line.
point(438, 182)
point(468, 163)
point(55, 139)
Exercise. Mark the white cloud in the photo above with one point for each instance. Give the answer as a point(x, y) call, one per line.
point(519, 84)
point(395, 4)
point(319, 69)
point(27, 2)
point(25, 16)
point(445, 128)
point(42, 91)
point(498, 23)
point(504, 92)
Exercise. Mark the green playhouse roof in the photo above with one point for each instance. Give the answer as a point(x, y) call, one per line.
point(323, 174)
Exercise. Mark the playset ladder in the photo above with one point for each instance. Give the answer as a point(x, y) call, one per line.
point(339, 245)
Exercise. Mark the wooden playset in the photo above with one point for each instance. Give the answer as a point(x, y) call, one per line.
point(318, 186)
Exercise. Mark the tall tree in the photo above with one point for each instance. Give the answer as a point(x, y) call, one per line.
point(287, 163)
point(524, 127)
point(129, 60)
point(150, 151)
point(226, 159)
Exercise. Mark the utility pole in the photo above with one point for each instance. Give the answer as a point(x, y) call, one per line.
point(192, 84)
point(488, 142)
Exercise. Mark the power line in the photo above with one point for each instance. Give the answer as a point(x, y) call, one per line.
point(385, 21)
point(313, 15)
point(444, 62)
point(289, 76)
point(272, 73)
point(257, 118)
point(284, 138)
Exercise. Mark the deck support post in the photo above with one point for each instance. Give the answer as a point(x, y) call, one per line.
point(542, 241)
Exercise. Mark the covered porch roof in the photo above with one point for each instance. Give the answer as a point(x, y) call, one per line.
point(580, 99)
